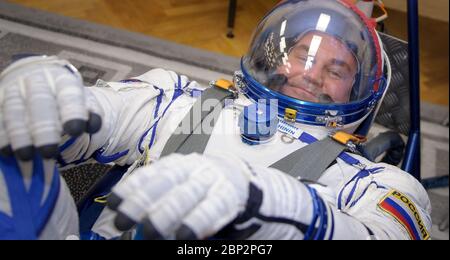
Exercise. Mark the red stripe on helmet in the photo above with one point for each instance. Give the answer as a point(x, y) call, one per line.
point(370, 24)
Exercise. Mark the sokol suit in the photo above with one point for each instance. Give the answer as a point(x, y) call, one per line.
point(322, 58)
point(129, 111)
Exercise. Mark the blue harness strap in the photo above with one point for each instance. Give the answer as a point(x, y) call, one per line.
point(29, 215)
point(20, 225)
point(89, 209)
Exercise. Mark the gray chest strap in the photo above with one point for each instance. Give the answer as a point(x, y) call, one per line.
point(309, 162)
point(190, 137)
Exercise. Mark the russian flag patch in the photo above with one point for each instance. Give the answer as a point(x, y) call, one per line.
point(405, 212)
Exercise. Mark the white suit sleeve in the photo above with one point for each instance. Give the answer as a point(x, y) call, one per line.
point(130, 110)
point(389, 202)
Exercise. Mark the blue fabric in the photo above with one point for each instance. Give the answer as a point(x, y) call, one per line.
point(177, 93)
point(37, 185)
point(23, 226)
point(131, 81)
point(7, 227)
point(29, 217)
point(307, 138)
point(316, 213)
point(361, 175)
point(153, 127)
point(323, 221)
point(105, 159)
point(139, 233)
point(91, 236)
point(332, 225)
point(67, 144)
point(83, 158)
point(365, 190)
point(88, 209)
point(349, 159)
point(46, 210)
point(60, 160)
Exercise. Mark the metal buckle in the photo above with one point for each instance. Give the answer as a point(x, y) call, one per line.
point(349, 140)
point(225, 85)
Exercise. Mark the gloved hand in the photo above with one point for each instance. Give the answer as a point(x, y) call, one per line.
point(197, 197)
point(41, 96)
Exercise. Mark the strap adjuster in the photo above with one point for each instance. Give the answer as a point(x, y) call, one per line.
point(349, 140)
point(225, 85)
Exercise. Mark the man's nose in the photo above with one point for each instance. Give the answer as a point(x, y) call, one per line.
point(313, 75)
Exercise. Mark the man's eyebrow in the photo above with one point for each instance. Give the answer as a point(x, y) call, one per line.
point(302, 47)
point(342, 64)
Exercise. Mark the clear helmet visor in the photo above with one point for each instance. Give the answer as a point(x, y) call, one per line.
point(318, 51)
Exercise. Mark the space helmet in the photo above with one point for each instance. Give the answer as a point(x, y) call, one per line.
point(321, 59)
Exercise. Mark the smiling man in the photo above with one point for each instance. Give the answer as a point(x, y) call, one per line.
point(319, 68)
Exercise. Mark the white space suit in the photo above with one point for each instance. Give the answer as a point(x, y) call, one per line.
point(231, 185)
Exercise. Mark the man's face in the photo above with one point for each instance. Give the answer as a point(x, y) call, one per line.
point(319, 68)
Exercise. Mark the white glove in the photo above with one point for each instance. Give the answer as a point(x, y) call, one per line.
point(195, 197)
point(39, 97)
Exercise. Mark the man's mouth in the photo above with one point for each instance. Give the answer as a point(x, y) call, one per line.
point(299, 93)
point(307, 91)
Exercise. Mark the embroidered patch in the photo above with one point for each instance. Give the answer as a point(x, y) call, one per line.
point(405, 212)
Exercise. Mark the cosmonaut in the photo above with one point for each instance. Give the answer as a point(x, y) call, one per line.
point(268, 157)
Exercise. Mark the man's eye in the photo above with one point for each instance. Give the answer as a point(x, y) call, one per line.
point(335, 74)
point(302, 58)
